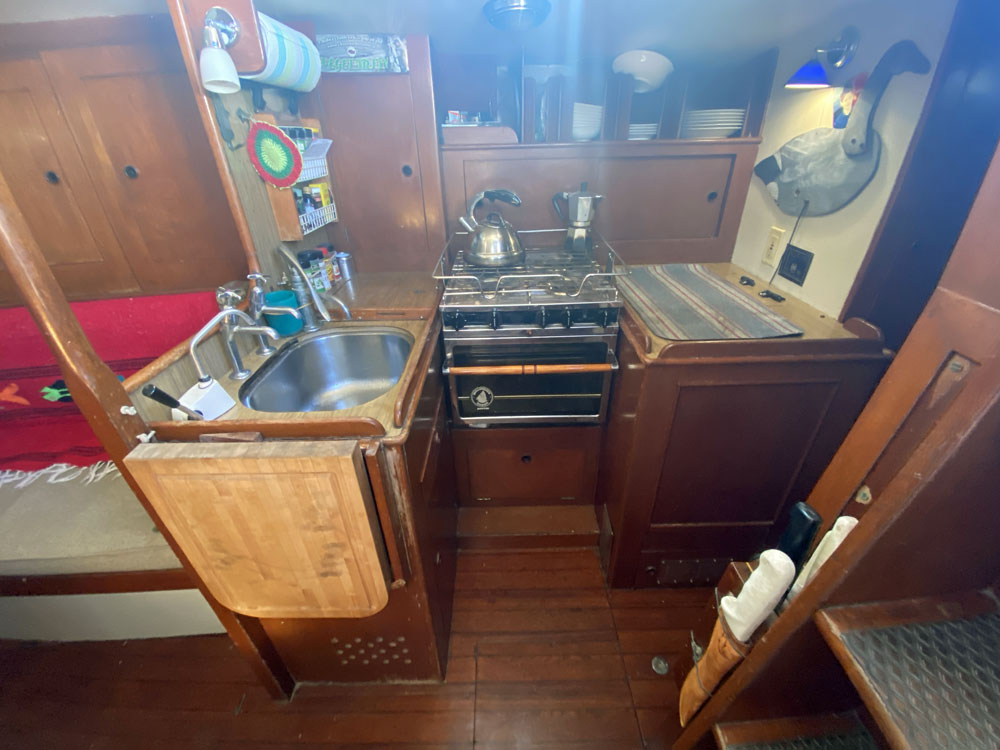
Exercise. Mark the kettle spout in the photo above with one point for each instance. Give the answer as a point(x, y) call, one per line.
point(469, 222)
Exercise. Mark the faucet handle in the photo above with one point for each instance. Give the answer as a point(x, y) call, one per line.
point(230, 294)
point(257, 277)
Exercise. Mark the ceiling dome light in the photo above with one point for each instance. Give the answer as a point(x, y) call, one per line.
point(516, 15)
point(810, 76)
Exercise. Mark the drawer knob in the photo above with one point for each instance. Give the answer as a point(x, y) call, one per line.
point(525, 459)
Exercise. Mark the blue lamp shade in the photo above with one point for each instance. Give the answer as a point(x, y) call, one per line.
point(809, 76)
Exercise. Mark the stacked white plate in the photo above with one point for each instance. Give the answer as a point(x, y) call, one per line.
point(586, 121)
point(712, 123)
point(642, 131)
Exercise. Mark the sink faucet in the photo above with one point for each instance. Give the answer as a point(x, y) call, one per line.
point(230, 318)
point(256, 307)
point(305, 294)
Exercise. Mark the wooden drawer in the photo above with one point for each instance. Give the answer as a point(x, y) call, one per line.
point(531, 465)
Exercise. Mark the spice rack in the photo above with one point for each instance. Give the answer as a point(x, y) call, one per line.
point(293, 226)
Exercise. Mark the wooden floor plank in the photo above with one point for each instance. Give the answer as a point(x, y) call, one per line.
point(567, 667)
point(525, 696)
point(541, 656)
point(614, 726)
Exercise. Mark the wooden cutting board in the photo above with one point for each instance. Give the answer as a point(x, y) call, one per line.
point(275, 529)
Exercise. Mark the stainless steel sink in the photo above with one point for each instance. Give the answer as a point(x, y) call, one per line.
point(329, 370)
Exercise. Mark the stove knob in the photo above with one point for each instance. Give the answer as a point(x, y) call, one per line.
point(459, 321)
point(541, 317)
point(495, 322)
point(568, 321)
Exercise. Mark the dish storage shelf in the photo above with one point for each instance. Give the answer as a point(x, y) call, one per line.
point(927, 669)
point(293, 226)
point(547, 105)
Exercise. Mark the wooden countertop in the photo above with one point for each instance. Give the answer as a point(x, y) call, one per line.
point(396, 299)
point(822, 334)
point(397, 295)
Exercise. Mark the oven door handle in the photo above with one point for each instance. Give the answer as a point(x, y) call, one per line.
point(567, 369)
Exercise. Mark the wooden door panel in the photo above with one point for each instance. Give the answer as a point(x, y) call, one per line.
point(664, 201)
point(131, 106)
point(741, 447)
point(371, 122)
point(281, 529)
point(664, 198)
point(513, 466)
point(62, 209)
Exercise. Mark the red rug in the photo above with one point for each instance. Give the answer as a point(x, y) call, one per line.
point(39, 423)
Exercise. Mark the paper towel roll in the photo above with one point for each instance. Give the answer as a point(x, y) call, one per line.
point(831, 540)
point(760, 595)
point(291, 59)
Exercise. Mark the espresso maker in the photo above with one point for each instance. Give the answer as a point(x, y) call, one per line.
point(579, 214)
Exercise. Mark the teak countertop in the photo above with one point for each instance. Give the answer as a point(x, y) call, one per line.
point(822, 334)
point(397, 299)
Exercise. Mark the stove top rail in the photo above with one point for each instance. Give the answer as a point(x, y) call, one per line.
point(572, 275)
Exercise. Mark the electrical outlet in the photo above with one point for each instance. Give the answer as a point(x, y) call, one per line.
point(795, 264)
point(774, 239)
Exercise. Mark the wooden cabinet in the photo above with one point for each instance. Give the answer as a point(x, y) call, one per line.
point(413, 480)
point(528, 465)
point(385, 163)
point(668, 201)
point(277, 529)
point(106, 156)
point(131, 111)
point(54, 190)
point(710, 443)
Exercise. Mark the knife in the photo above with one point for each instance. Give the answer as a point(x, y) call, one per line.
point(160, 396)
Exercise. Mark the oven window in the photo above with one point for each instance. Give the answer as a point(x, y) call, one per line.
point(577, 394)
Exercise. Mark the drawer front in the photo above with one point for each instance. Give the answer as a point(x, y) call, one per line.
point(544, 465)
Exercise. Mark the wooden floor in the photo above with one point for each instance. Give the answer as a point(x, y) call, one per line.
point(543, 656)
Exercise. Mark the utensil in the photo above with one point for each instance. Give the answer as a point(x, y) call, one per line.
point(650, 69)
point(160, 396)
point(494, 241)
point(824, 169)
point(580, 207)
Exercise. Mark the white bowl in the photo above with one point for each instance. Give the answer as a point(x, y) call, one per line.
point(650, 69)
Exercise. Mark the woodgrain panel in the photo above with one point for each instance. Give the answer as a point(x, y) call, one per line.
point(379, 172)
point(519, 465)
point(54, 191)
point(711, 475)
point(664, 201)
point(274, 529)
point(131, 106)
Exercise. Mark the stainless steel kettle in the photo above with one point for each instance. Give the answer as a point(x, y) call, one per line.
point(494, 241)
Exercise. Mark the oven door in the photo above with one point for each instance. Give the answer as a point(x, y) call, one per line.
point(535, 382)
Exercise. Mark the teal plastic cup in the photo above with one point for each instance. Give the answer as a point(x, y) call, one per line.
point(285, 325)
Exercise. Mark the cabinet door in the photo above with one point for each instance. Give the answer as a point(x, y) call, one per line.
point(134, 119)
point(280, 529)
point(53, 190)
point(385, 163)
point(530, 465)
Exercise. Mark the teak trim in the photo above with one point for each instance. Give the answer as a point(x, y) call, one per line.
point(112, 582)
point(109, 411)
point(412, 375)
point(215, 142)
point(531, 369)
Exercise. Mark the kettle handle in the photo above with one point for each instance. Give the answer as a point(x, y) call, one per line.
point(500, 194)
point(555, 204)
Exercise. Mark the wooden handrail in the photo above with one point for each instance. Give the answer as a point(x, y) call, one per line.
point(532, 369)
